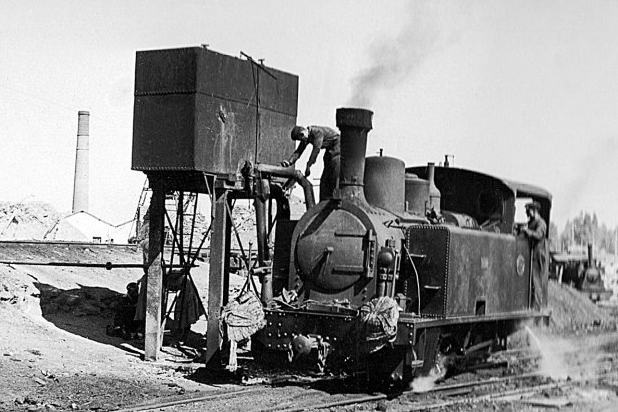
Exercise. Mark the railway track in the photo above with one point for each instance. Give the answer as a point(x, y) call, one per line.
point(506, 393)
point(252, 400)
point(298, 398)
point(202, 398)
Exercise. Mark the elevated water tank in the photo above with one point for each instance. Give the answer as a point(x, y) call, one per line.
point(201, 111)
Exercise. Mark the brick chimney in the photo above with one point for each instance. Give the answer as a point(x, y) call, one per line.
point(80, 183)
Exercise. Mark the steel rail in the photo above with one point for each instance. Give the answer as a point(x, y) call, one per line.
point(343, 402)
point(195, 399)
point(506, 394)
point(374, 398)
point(412, 407)
point(441, 404)
point(490, 381)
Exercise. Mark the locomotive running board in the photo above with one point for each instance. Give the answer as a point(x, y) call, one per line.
point(407, 326)
point(435, 322)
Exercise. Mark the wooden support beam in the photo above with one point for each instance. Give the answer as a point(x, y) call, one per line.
point(154, 283)
point(218, 277)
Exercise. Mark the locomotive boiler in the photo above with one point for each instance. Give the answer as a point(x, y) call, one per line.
point(400, 265)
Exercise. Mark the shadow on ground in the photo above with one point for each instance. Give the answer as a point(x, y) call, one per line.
point(88, 311)
point(276, 371)
point(83, 311)
point(250, 374)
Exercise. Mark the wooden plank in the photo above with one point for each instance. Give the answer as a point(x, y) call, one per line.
point(218, 276)
point(153, 337)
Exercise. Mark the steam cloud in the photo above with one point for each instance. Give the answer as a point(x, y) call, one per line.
point(591, 168)
point(562, 357)
point(427, 383)
point(430, 27)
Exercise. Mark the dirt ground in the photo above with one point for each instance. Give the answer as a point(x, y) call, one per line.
point(54, 351)
point(55, 354)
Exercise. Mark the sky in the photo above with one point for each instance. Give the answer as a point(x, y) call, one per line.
point(524, 90)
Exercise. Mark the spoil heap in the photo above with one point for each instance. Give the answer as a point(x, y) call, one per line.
point(27, 221)
point(573, 311)
point(244, 221)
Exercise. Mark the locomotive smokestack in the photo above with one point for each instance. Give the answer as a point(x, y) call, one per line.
point(354, 125)
point(590, 256)
point(80, 183)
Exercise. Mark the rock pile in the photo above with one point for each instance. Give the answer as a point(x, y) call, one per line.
point(85, 301)
point(244, 221)
point(13, 290)
point(572, 310)
point(28, 221)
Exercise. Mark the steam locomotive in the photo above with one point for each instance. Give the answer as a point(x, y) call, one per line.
point(581, 271)
point(401, 265)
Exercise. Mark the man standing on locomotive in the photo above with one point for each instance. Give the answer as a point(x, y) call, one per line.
point(320, 137)
point(536, 232)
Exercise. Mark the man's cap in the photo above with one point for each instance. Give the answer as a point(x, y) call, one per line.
point(132, 285)
point(534, 205)
point(298, 131)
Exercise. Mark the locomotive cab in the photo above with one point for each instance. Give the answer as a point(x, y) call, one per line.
point(474, 270)
point(486, 199)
